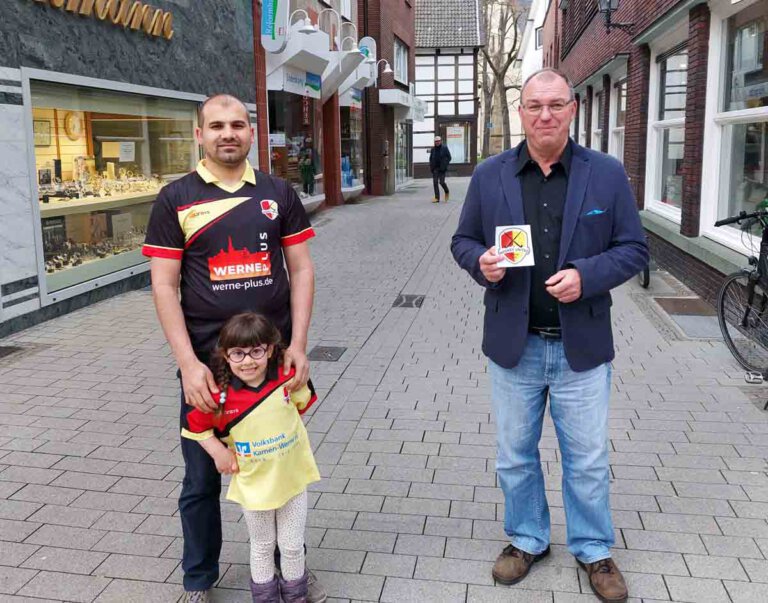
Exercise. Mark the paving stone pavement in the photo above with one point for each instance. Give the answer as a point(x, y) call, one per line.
point(408, 509)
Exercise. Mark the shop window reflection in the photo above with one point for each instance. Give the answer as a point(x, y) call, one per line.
point(101, 158)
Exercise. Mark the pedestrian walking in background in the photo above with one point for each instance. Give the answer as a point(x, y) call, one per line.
point(439, 158)
point(307, 167)
point(257, 436)
point(547, 327)
point(232, 240)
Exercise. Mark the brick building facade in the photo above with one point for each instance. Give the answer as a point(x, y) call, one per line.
point(681, 98)
point(387, 122)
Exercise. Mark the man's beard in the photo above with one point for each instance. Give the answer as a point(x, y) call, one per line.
point(231, 157)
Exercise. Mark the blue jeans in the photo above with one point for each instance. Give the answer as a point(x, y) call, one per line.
point(579, 409)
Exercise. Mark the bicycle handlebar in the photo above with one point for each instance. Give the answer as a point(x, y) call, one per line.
point(742, 216)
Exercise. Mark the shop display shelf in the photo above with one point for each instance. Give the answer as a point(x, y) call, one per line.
point(89, 204)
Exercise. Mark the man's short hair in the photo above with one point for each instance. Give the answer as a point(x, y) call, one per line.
point(438, 138)
point(550, 73)
point(222, 99)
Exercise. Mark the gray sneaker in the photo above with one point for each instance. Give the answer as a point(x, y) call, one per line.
point(197, 596)
point(315, 591)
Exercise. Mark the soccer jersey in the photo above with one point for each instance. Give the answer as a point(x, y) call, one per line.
point(230, 241)
point(263, 428)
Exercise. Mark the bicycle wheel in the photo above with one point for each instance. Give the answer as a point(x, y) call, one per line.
point(742, 310)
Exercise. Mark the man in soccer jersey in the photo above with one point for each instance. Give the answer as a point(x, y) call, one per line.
point(221, 236)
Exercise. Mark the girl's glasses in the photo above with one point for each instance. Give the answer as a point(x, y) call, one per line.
point(238, 355)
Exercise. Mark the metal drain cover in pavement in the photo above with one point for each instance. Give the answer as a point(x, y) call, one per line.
point(326, 353)
point(408, 301)
point(7, 350)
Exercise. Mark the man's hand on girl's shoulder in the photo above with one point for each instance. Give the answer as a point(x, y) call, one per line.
point(294, 357)
point(198, 383)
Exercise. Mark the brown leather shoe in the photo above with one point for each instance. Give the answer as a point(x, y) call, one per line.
point(606, 580)
point(513, 564)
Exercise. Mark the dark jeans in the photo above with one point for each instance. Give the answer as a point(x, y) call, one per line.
point(438, 176)
point(201, 515)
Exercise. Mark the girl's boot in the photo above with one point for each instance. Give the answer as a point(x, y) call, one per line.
point(266, 592)
point(294, 591)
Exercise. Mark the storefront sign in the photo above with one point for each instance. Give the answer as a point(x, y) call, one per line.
point(277, 139)
point(306, 111)
point(274, 25)
point(301, 82)
point(129, 14)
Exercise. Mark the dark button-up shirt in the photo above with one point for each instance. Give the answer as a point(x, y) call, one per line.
point(543, 205)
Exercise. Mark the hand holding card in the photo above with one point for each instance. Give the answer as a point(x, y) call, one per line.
point(514, 246)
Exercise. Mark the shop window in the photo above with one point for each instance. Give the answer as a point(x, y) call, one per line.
point(667, 135)
point(403, 152)
point(744, 176)
point(597, 120)
point(295, 142)
point(401, 61)
point(673, 82)
point(747, 71)
point(346, 9)
point(351, 146)
point(101, 158)
point(619, 118)
point(456, 136)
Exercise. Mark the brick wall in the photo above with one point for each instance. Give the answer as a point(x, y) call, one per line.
point(702, 279)
point(587, 47)
point(696, 90)
point(606, 117)
point(385, 20)
point(636, 125)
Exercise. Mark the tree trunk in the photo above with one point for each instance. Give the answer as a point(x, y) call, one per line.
point(504, 112)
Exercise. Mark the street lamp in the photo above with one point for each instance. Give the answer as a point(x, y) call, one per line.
point(308, 27)
point(354, 44)
point(387, 70)
point(607, 7)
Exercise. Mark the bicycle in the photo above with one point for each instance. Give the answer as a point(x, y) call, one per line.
point(742, 303)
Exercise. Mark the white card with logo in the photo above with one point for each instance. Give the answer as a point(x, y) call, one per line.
point(514, 246)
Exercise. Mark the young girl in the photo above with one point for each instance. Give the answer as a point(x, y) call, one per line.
point(267, 451)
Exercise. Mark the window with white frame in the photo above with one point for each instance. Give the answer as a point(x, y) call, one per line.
point(618, 119)
point(743, 115)
point(597, 120)
point(346, 9)
point(401, 61)
point(667, 125)
point(583, 121)
point(538, 33)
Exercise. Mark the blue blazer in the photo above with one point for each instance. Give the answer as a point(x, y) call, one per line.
point(601, 237)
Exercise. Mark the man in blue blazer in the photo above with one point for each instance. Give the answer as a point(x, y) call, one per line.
point(547, 329)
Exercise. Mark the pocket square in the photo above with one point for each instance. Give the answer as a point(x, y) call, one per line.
point(595, 212)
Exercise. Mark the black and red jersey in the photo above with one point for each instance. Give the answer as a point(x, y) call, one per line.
point(230, 241)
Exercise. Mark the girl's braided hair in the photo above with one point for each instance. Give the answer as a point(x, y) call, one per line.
point(245, 330)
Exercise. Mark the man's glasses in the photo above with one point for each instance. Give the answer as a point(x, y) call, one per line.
point(536, 108)
point(238, 355)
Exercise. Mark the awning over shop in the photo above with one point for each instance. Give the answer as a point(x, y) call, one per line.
point(343, 64)
point(299, 66)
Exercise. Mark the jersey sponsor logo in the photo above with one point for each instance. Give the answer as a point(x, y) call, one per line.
point(196, 217)
point(243, 449)
point(269, 209)
point(234, 264)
